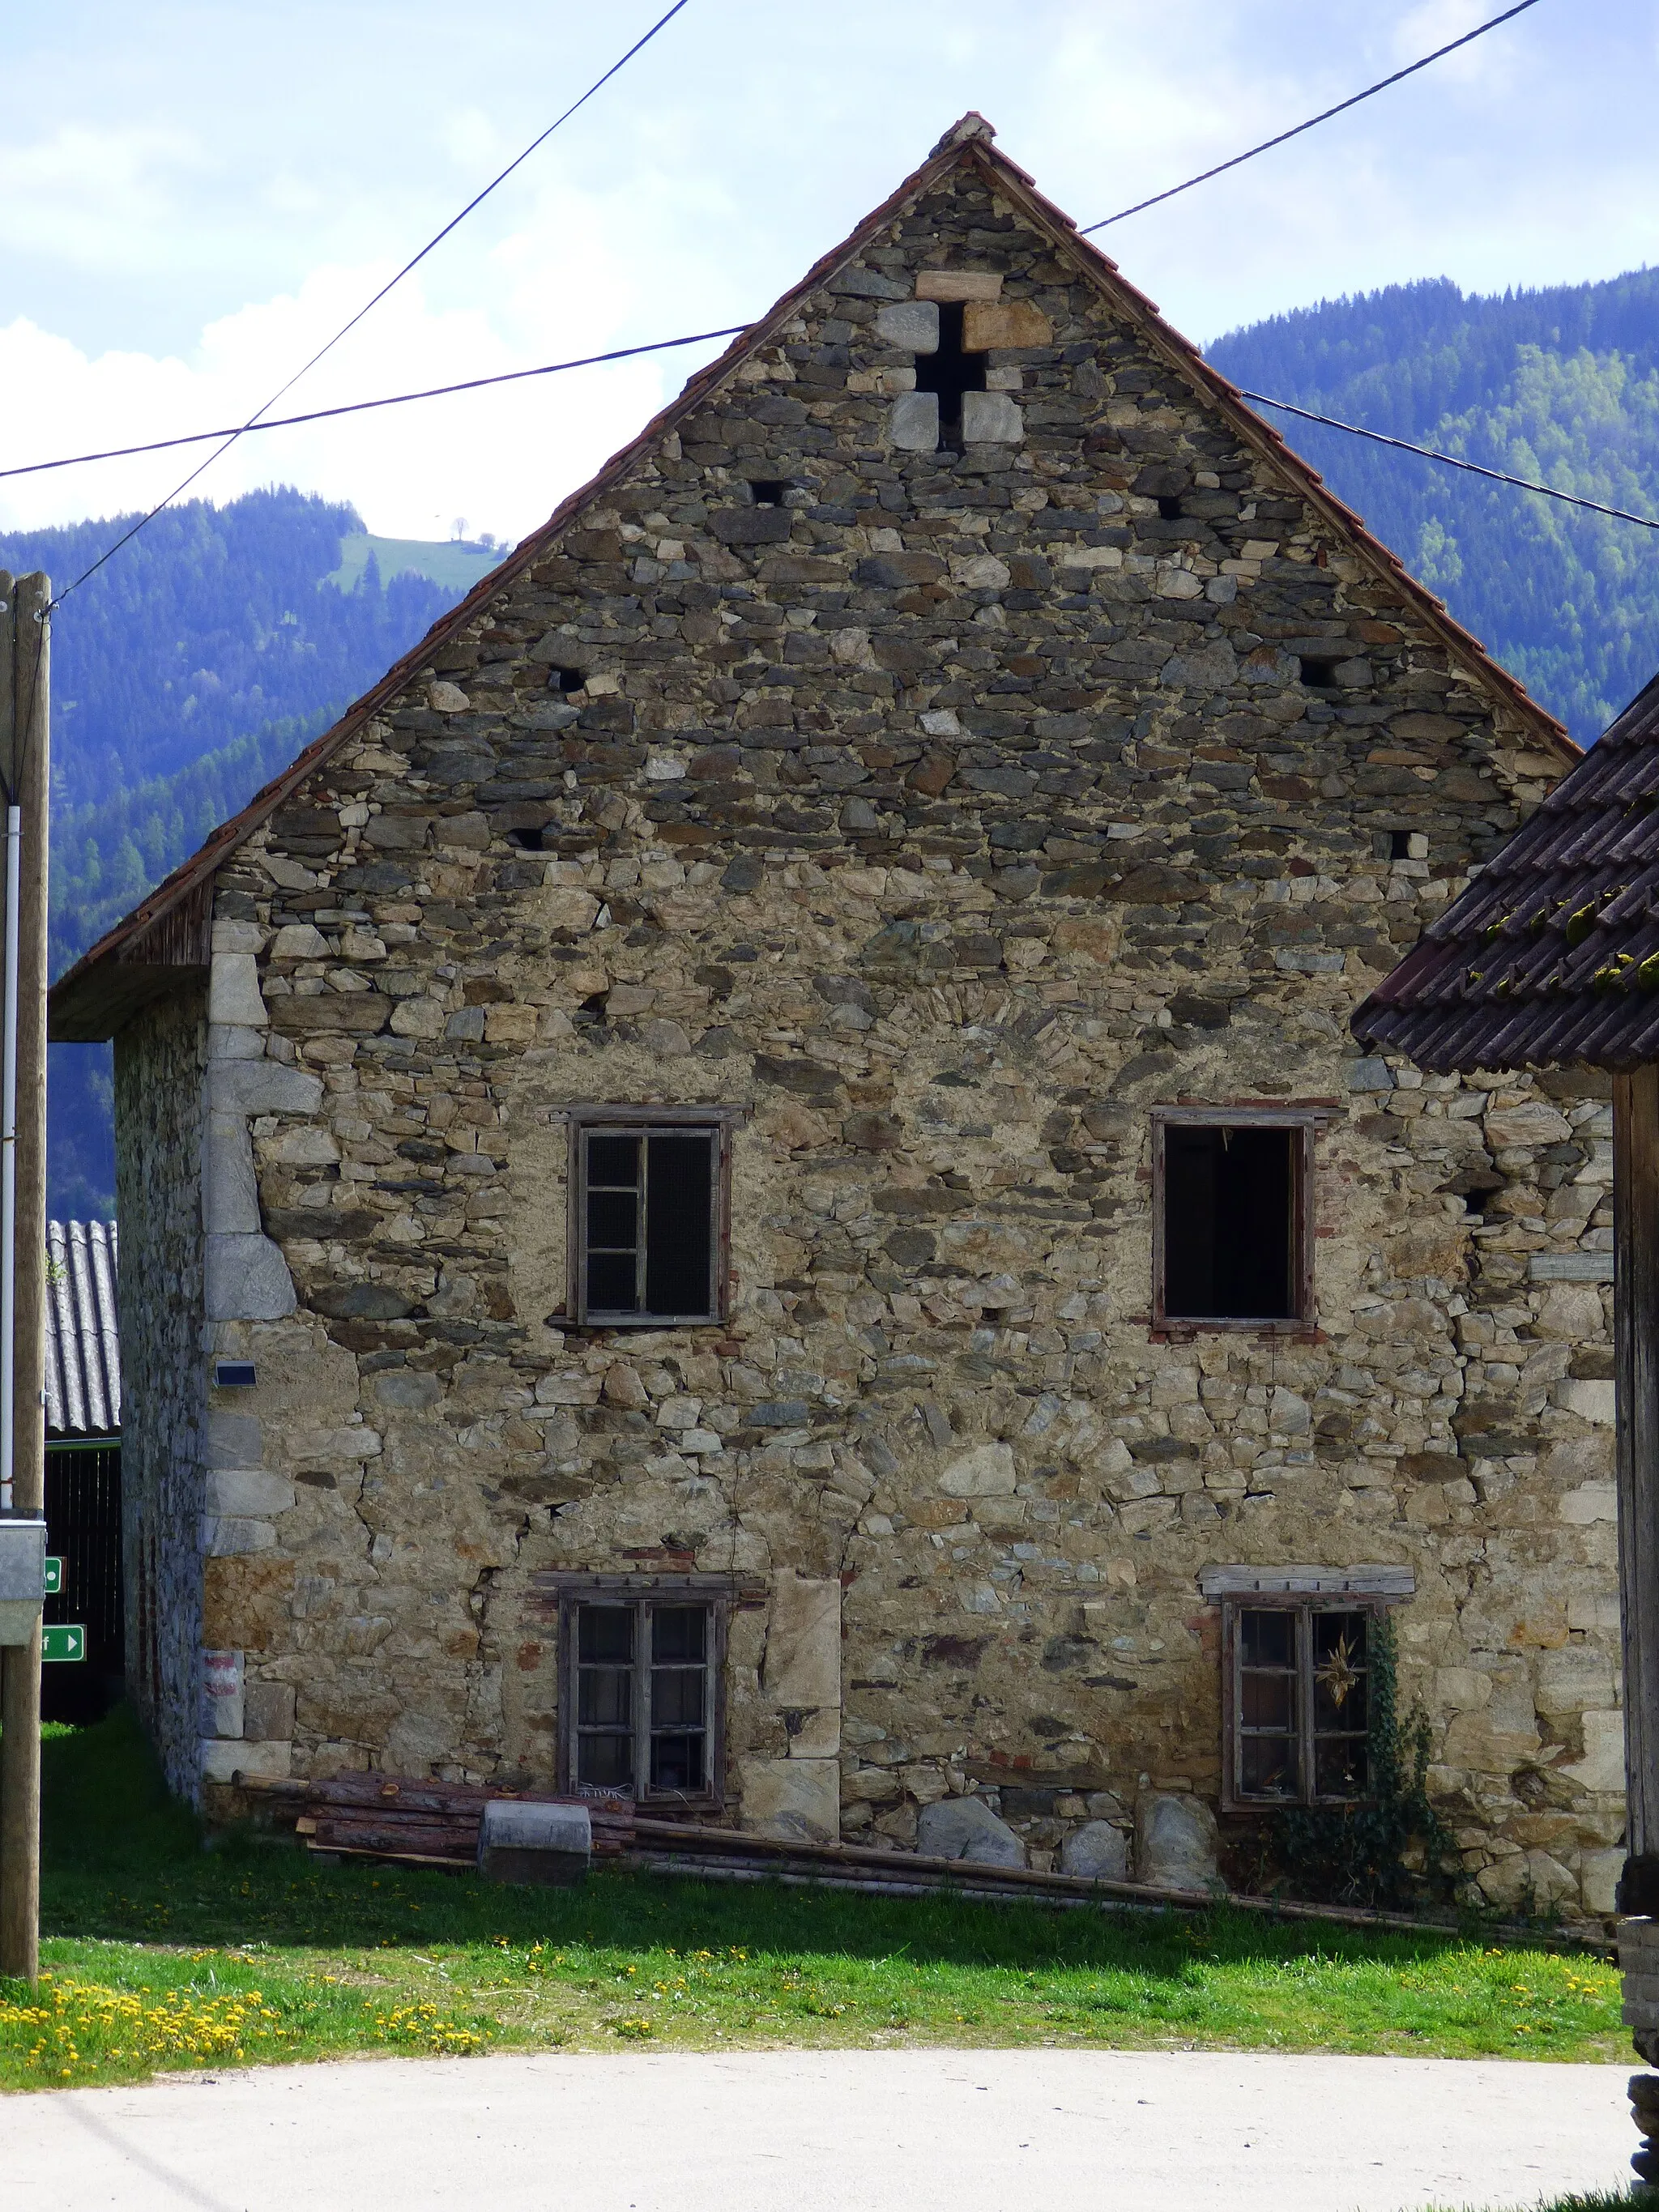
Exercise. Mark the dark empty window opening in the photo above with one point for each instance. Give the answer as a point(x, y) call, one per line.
point(768, 491)
point(639, 1691)
point(566, 679)
point(1318, 674)
point(1400, 844)
point(1297, 1682)
point(1169, 506)
point(529, 839)
point(647, 1215)
point(950, 372)
point(1232, 1246)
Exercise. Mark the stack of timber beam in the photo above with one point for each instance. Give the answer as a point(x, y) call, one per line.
point(419, 1823)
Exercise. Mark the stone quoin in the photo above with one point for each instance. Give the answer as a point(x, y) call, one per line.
point(772, 1114)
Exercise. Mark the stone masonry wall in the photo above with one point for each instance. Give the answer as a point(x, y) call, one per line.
point(158, 1173)
point(948, 814)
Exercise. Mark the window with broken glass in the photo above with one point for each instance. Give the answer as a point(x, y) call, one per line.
point(639, 1694)
point(648, 1216)
point(1297, 1676)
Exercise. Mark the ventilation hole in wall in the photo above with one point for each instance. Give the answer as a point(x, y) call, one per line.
point(594, 1008)
point(768, 491)
point(1400, 844)
point(566, 679)
point(1318, 675)
point(1169, 506)
point(528, 841)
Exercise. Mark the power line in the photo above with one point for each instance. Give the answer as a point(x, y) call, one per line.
point(414, 262)
point(1451, 460)
point(363, 406)
point(1268, 145)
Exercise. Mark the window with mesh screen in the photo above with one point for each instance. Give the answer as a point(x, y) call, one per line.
point(649, 1207)
point(1298, 1709)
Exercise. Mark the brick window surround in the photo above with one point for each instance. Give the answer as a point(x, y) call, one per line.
point(643, 1689)
point(649, 1217)
point(1233, 1217)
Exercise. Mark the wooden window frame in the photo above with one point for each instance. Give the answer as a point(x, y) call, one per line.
point(646, 1594)
point(587, 1120)
point(1305, 1604)
point(1306, 1123)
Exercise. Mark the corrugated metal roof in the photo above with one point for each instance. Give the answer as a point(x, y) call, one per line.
point(91, 999)
point(1551, 958)
point(83, 1341)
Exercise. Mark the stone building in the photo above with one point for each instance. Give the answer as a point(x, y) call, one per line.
point(747, 1184)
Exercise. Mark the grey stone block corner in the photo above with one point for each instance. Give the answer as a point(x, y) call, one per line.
point(22, 1574)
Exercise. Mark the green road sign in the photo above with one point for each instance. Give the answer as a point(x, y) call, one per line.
point(54, 1577)
point(64, 1643)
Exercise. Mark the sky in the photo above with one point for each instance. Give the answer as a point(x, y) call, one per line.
point(194, 196)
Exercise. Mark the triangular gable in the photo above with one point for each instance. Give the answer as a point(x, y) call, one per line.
point(168, 929)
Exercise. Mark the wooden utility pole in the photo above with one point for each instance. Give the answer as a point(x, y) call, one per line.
point(25, 770)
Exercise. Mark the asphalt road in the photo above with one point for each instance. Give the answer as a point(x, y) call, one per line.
point(827, 2131)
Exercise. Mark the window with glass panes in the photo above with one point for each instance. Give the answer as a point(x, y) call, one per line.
point(648, 1216)
point(1298, 1677)
point(640, 1696)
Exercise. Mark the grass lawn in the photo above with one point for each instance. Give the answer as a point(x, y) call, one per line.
point(162, 1955)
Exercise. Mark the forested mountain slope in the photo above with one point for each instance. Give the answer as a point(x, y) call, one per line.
point(185, 673)
point(1560, 386)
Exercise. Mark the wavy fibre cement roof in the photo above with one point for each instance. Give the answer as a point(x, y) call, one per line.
point(83, 1337)
point(1551, 958)
point(969, 142)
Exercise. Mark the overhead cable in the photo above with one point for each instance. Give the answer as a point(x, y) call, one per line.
point(1451, 460)
point(363, 406)
point(414, 262)
point(1342, 105)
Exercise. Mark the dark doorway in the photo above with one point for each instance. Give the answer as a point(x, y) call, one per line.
point(83, 1529)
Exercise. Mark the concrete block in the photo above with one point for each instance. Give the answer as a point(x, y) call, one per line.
point(796, 1800)
point(222, 1759)
point(552, 1844)
point(913, 422)
point(262, 1086)
point(991, 418)
point(910, 324)
point(802, 1667)
point(247, 1280)
point(233, 993)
